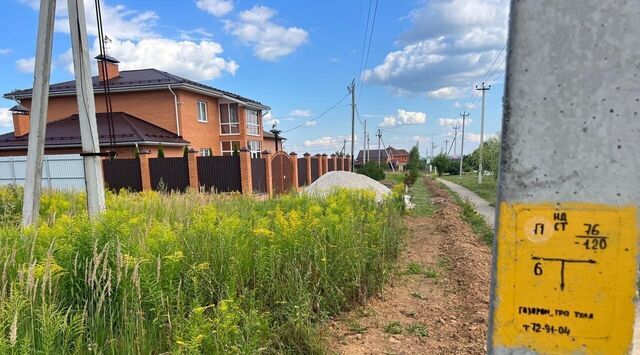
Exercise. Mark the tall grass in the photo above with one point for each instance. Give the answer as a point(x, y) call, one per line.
point(191, 273)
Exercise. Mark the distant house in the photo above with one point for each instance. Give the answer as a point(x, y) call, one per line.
point(151, 107)
point(397, 157)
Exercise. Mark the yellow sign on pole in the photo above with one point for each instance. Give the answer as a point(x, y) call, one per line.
point(565, 278)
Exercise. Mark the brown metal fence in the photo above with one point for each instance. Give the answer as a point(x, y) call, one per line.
point(315, 173)
point(220, 173)
point(122, 174)
point(332, 165)
point(169, 174)
point(302, 171)
point(259, 175)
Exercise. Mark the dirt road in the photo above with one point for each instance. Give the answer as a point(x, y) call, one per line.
point(437, 303)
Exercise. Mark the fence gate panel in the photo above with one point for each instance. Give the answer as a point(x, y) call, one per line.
point(282, 172)
point(259, 175)
point(315, 172)
point(302, 171)
point(122, 174)
point(219, 173)
point(169, 174)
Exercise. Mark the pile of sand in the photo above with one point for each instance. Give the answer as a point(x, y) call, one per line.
point(333, 180)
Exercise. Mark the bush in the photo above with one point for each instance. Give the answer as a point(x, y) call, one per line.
point(189, 273)
point(372, 170)
point(445, 165)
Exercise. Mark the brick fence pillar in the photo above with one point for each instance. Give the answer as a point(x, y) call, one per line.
point(192, 162)
point(294, 178)
point(334, 158)
point(318, 162)
point(325, 164)
point(347, 161)
point(268, 172)
point(307, 157)
point(145, 173)
point(341, 164)
point(245, 171)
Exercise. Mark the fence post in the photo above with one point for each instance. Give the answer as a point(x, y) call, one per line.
point(145, 173)
point(325, 164)
point(245, 171)
point(342, 167)
point(192, 163)
point(318, 163)
point(268, 172)
point(335, 162)
point(307, 157)
point(348, 163)
point(294, 160)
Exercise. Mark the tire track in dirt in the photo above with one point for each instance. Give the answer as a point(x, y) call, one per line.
point(443, 309)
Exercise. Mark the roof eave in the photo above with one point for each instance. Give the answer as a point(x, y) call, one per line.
point(185, 86)
point(119, 144)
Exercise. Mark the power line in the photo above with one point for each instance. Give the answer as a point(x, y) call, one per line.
point(320, 115)
point(473, 98)
point(364, 42)
point(366, 61)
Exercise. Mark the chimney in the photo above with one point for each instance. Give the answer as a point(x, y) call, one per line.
point(111, 66)
point(21, 116)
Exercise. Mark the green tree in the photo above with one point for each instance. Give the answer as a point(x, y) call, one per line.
point(372, 170)
point(490, 156)
point(443, 163)
point(414, 160)
point(185, 151)
point(160, 151)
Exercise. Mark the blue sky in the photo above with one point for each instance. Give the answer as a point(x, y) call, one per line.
point(298, 57)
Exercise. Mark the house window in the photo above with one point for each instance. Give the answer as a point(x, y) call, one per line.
point(229, 147)
point(202, 111)
point(205, 152)
point(253, 127)
point(254, 147)
point(229, 123)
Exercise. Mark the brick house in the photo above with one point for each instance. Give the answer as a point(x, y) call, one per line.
point(151, 107)
point(398, 157)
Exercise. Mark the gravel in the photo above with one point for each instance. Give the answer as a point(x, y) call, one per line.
point(333, 180)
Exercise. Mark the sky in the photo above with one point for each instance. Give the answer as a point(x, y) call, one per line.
point(415, 63)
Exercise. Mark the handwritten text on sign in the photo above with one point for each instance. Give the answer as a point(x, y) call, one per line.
point(565, 277)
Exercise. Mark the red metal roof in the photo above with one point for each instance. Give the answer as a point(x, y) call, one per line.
point(128, 131)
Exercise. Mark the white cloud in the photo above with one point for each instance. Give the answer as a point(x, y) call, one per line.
point(450, 122)
point(404, 118)
point(311, 124)
point(6, 119)
point(475, 137)
point(269, 40)
point(193, 60)
point(217, 8)
point(449, 47)
point(329, 142)
point(5, 51)
point(468, 106)
point(26, 65)
point(197, 34)
point(300, 113)
point(119, 21)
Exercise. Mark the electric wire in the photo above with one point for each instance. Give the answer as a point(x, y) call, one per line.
point(106, 84)
point(318, 116)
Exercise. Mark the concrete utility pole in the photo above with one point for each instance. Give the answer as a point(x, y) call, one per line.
point(94, 180)
point(566, 246)
point(446, 146)
point(39, 107)
point(352, 90)
point(364, 143)
point(379, 135)
point(464, 117)
point(482, 88)
point(455, 138)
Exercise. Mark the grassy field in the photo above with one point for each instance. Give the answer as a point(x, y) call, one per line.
point(488, 189)
point(419, 194)
point(192, 273)
point(472, 217)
